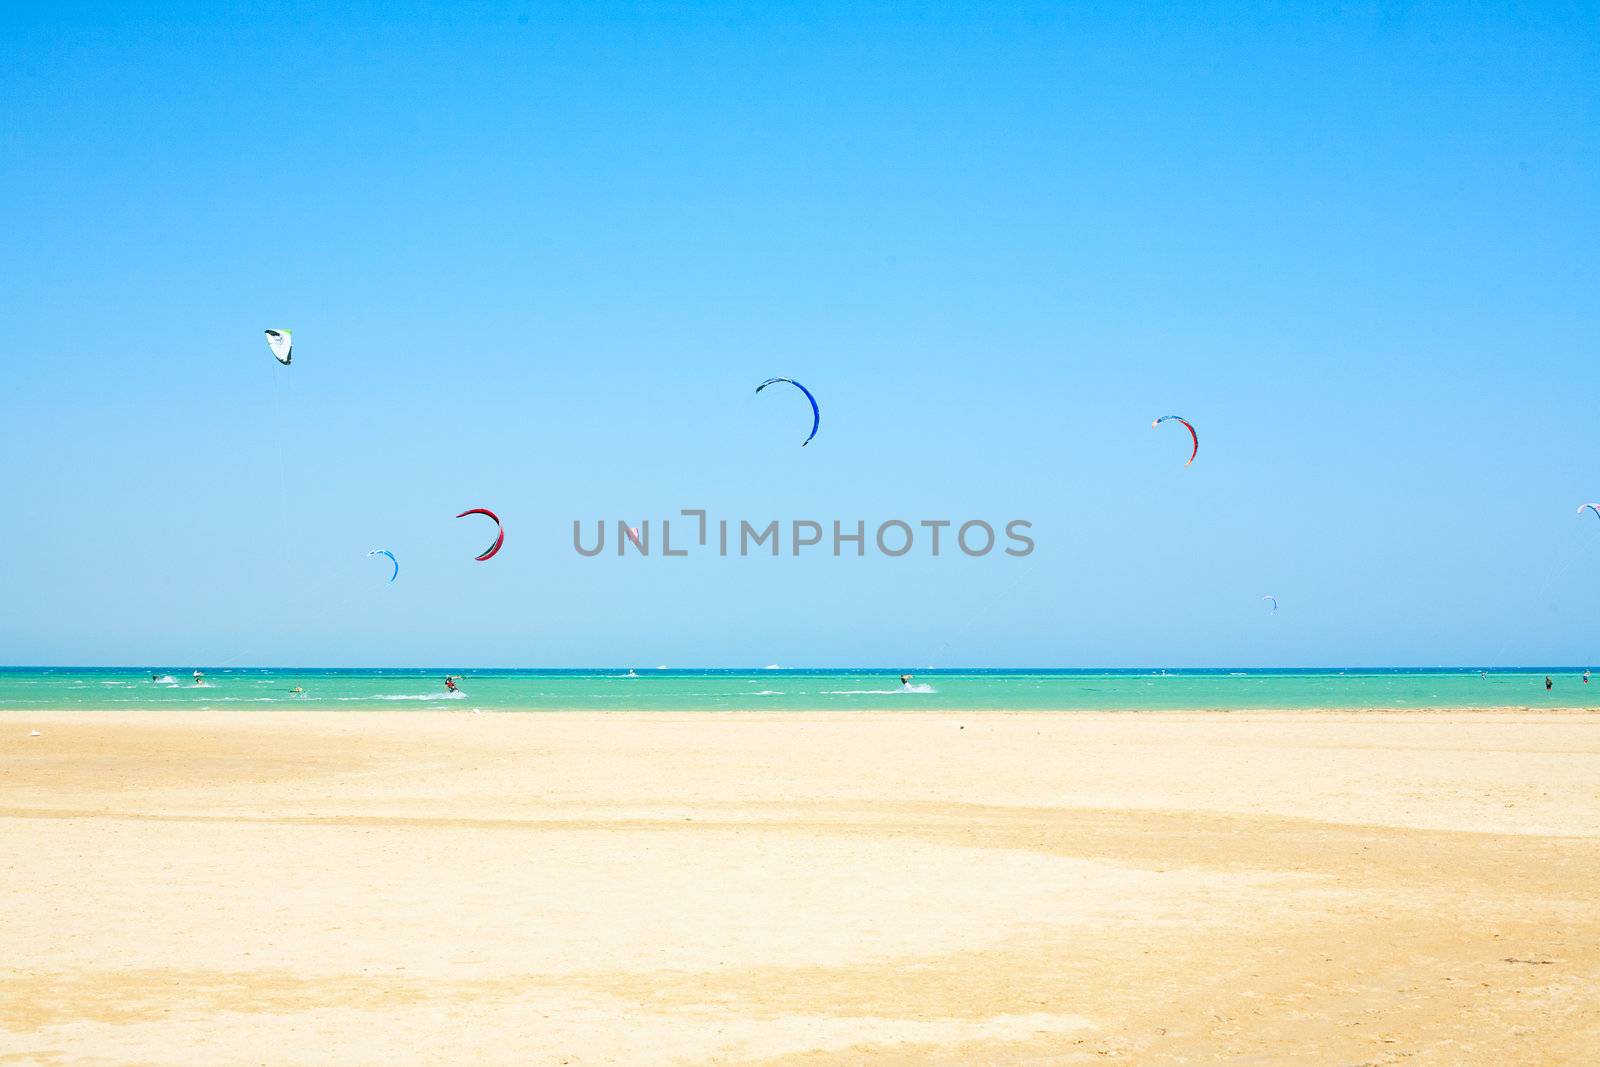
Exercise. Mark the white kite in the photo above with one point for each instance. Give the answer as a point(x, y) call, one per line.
point(282, 344)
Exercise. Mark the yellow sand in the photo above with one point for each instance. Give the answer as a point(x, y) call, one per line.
point(799, 889)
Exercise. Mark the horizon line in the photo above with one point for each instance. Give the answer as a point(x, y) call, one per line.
point(874, 668)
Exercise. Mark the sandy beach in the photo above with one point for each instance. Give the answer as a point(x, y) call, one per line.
point(800, 888)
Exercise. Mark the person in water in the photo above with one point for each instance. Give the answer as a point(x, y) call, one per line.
point(1548, 684)
point(450, 683)
point(199, 678)
point(1585, 677)
point(905, 680)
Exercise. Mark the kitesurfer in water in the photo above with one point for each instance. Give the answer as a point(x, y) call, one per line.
point(1548, 684)
point(1585, 677)
point(450, 683)
point(199, 678)
point(905, 680)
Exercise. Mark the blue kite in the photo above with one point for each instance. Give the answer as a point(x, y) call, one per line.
point(816, 412)
point(386, 552)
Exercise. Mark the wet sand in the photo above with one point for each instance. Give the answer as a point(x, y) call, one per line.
point(304, 888)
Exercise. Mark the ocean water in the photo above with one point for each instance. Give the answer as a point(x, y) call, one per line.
point(262, 689)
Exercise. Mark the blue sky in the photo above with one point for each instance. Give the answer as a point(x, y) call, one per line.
point(537, 257)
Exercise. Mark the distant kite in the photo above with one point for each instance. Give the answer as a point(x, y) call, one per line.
point(386, 552)
point(499, 537)
point(1274, 603)
point(816, 412)
point(1192, 435)
point(1590, 507)
point(282, 344)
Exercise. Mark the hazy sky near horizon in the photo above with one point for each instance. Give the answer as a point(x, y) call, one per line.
point(537, 257)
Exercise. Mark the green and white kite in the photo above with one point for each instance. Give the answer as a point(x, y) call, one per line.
point(282, 344)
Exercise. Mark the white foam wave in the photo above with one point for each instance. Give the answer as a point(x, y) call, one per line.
point(457, 695)
point(767, 693)
point(919, 688)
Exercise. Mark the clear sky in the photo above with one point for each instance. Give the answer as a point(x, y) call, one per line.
point(538, 256)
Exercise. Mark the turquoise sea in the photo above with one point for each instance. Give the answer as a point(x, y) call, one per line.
point(261, 689)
